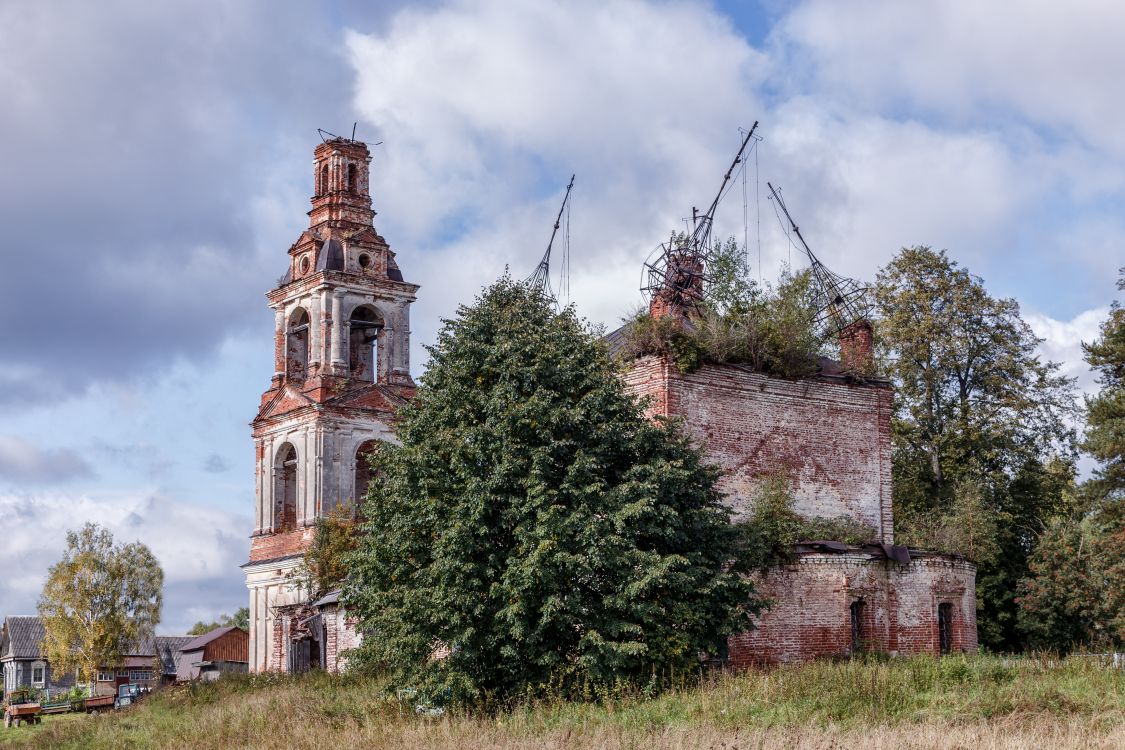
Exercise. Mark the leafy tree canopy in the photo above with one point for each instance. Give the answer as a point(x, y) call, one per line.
point(534, 530)
point(99, 599)
point(1105, 435)
point(983, 451)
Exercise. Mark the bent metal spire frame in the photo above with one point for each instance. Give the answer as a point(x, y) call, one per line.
point(679, 272)
point(540, 278)
point(840, 301)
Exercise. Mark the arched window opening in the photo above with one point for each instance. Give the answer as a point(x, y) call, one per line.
point(323, 180)
point(945, 628)
point(285, 489)
point(363, 472)
point(297, 345)
point(858, 636)
point(366, 327)
point(353, 178)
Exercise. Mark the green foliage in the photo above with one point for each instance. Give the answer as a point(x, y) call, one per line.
point(773, 527)
point(324, 564)
point(99, 599)
point(983, 452)
point(1057, 610)
point(535, 526)
point(968, 527)
point(1105, 418)
point(240, 619)
point(771, 330)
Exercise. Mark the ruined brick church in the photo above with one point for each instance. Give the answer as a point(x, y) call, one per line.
point(342, 368)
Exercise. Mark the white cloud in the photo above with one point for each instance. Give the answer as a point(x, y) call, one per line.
point(1048, 64)
point(1063, 339)
point(199, 547)
point(481, 103)
point(23, 461)
point(485, 107)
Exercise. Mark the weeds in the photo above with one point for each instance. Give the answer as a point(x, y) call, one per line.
point(959, 701)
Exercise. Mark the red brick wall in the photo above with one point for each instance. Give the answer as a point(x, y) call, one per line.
point(810, 612)
point(270, 546)
point(832, 438)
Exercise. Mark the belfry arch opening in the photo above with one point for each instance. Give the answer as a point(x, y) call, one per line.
point(297, 345)
point(285, 489)
point(322, 185)
point(364, 343)
point(363, 471)
point(353, 179)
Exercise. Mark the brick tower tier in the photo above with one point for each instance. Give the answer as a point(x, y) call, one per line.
point(341, 370)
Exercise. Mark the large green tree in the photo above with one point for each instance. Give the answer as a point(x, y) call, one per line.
point(533, 526)
point(981, 432)
point(99, 599)
point(1105, 434)
point(1075, 593)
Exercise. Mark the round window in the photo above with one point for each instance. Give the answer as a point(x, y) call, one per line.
point(305, 264)
point(364, 260)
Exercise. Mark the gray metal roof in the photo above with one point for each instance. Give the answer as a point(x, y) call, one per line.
point(168, 646)
point(332, 597)
point(22, 636)
point(331, 256)
point(194, 644)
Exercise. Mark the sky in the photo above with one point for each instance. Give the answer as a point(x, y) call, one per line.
point(158, 163)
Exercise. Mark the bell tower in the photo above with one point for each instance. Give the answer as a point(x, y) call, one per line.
point(341, 369)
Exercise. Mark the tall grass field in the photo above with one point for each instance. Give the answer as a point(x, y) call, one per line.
point(963, 702)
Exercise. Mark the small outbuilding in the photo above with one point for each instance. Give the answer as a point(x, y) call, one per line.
point(213, 654)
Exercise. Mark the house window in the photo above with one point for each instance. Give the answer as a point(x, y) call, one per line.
point(38, 674)
point(140, 675)
point(105, 676)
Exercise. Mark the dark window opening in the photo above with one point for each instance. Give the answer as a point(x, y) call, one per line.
point(366, 327)
point(945, 628)
point(323, 180)
point(364, 260)
point(363, 471)
point(353, 178)
point(857, 625)
point(285, 489)
point(297, 345)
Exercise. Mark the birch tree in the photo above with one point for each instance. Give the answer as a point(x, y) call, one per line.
point(99, 600)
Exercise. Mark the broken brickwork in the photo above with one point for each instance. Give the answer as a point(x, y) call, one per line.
point(831, 436)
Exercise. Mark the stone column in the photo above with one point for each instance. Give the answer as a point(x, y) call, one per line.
point(338, 328)
point(316, 345)
point(279, 343)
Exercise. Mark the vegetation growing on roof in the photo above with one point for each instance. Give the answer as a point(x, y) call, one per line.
point(773, 527)
point(769, 328)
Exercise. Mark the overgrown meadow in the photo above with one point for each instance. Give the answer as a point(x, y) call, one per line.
point(955, 702)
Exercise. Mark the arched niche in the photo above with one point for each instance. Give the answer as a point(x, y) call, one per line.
point(285, 488)
point(297, 345)
point(365, 343)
